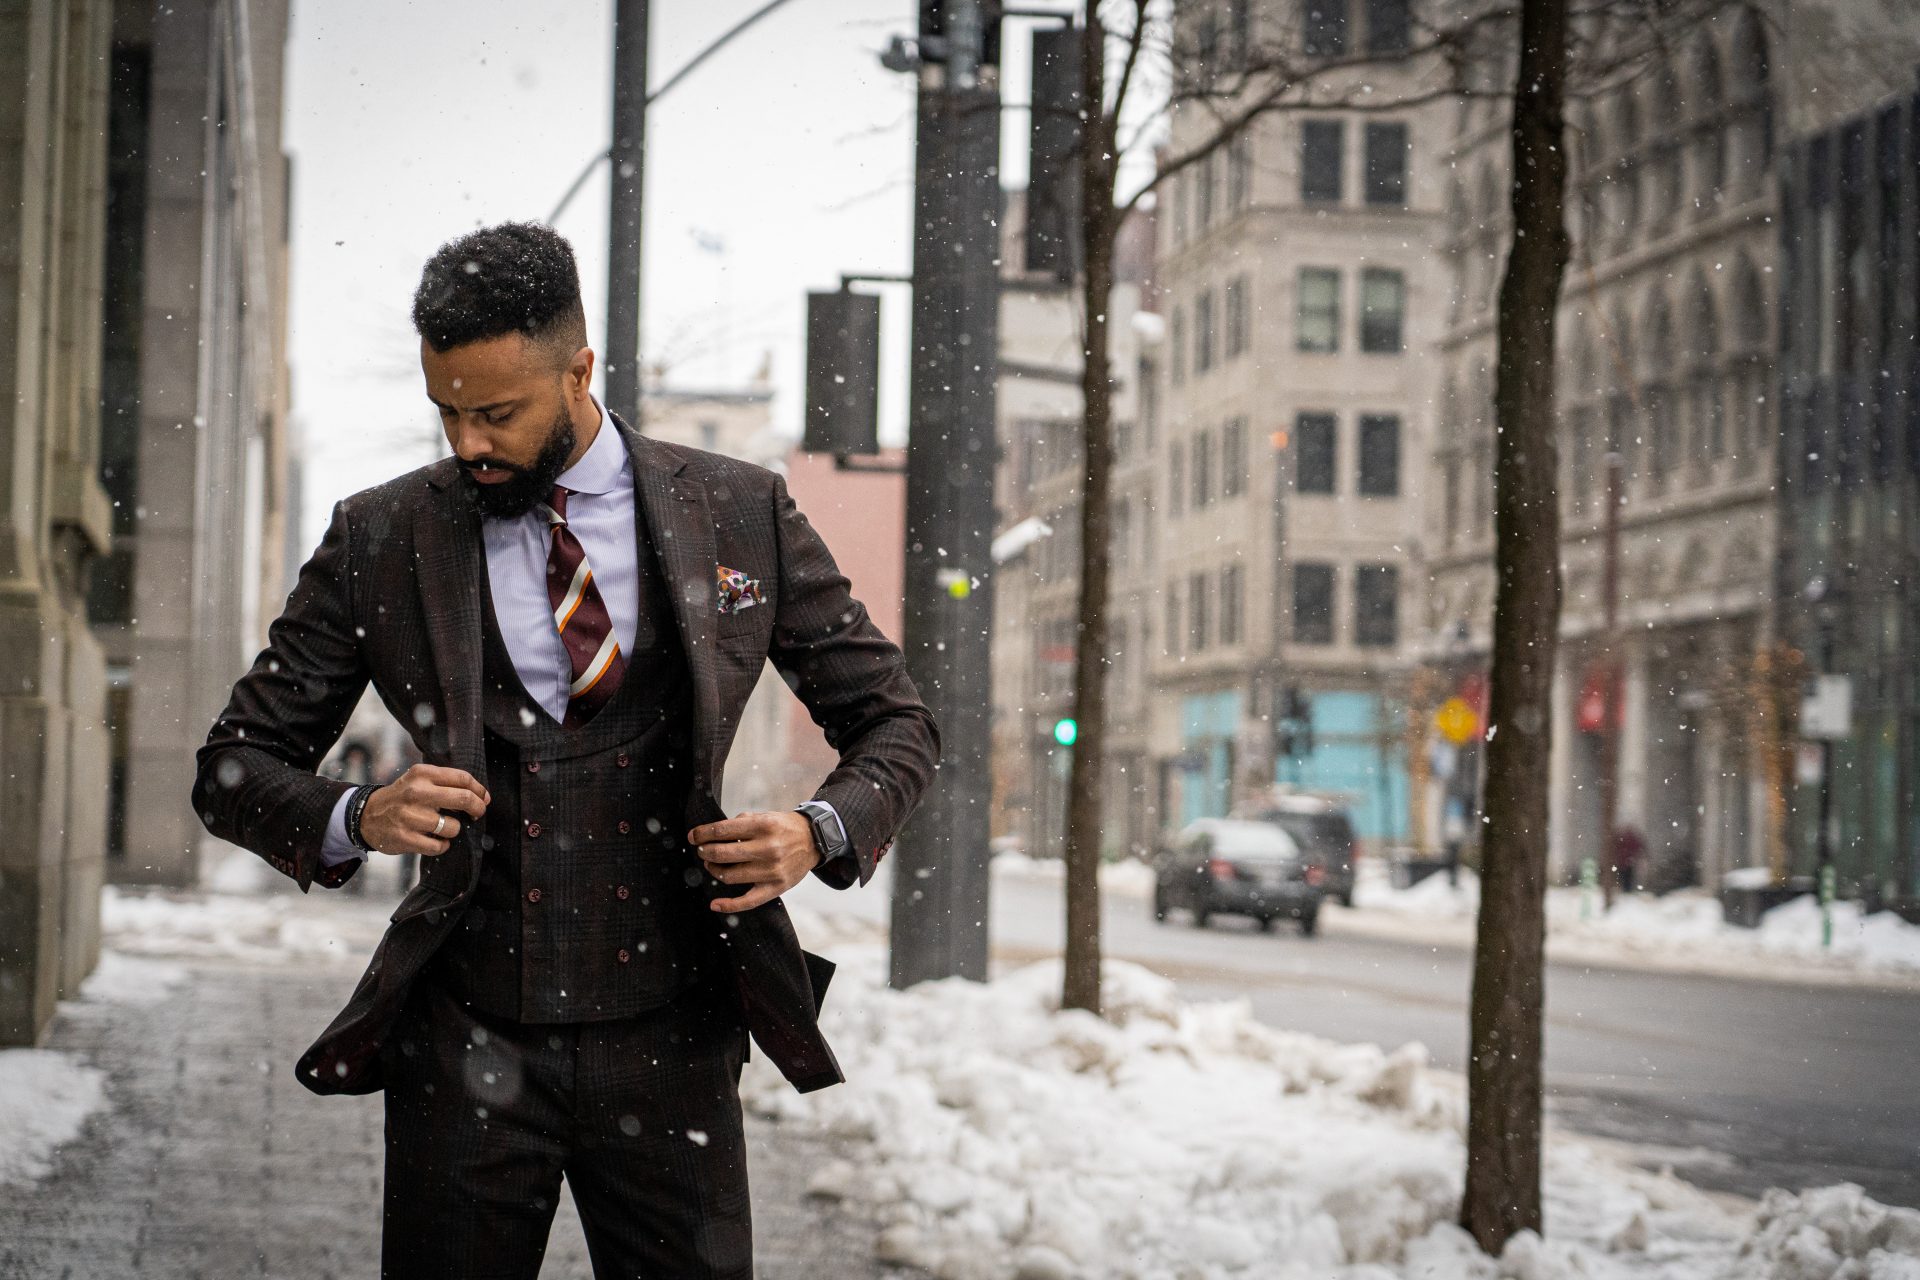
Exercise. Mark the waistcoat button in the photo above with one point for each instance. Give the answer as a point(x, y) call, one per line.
point(621, 759)
point(624, 956)
point(533, 895)
point(533, 831)
point(533, 766)
point(621, 893)
point(625, 826)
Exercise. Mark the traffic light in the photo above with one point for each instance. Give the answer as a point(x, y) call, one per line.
point(1293, 726)
point(1065, 730)
point(843, 373)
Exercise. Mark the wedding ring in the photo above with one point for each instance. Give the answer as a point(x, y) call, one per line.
point(441, 823)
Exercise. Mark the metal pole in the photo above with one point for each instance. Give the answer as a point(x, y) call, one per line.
point(626, 207)
point(1611, 714)
point(939, 910)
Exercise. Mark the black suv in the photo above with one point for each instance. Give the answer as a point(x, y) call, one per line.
point(1230, 866)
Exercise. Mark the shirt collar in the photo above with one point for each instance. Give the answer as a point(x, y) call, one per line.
point(604, 464)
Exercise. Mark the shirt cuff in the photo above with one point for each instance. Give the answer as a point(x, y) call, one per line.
point(336, 848)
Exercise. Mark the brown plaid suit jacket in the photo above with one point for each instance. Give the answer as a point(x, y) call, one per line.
point(392, 595)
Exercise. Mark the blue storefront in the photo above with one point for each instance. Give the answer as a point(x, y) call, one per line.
point(1357, 752)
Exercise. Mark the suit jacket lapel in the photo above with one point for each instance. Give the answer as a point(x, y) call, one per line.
point(447, 549)
point(673, 514)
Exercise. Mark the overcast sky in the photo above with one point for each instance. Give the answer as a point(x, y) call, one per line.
point(781, 162)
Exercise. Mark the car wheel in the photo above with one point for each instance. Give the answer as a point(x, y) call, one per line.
point(1309, 923)
point(1266, 923)
point(1346, 899)
point(1201, 914)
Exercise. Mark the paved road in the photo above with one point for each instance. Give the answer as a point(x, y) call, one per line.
point(1738, 1084)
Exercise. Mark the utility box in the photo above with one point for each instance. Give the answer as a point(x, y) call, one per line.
point(843, 373)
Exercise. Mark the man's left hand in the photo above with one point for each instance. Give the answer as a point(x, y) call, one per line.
point(771, 852)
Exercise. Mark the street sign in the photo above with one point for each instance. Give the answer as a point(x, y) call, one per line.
point(1826, 712)
point(1456, 721)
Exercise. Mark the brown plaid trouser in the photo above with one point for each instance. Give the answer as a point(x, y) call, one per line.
point(641, 1115)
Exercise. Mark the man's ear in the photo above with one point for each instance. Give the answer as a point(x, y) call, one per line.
point(580, 372)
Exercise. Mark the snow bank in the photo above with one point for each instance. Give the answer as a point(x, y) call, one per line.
point(239, 927)
point(1128, 876)
point(45, 1099)
point(1682, 928)
point(994, 1135)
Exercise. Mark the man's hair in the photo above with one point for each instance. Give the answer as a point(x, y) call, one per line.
point(516, 277)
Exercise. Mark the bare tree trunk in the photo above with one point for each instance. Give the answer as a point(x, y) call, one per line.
point(1502, 1195)
point(1099, 225)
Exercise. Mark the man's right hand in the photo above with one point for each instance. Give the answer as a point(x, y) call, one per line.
point(400, 817)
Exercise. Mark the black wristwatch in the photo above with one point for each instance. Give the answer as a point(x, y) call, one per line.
point(829, 834)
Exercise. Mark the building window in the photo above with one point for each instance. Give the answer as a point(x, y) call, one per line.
point(1312, 603)
point(1383, 300)
point(1239, 172)
point(1173, 619)
point(1318, 328)
point(1389, 26)
point(1203, 333)
point(1236, 319)
point(1205, 176)
point(1233, 458)
point(1450, 507)
point(1387, 164)
point(1323, 28)
point(1230, 609)
point(1314, 450)
point(1376, 600)
point(1202, 469)
point(1176, 480)
point(1148, 377)
point(1321, 142)
point(1197, 611)
point(1379, 455)
point(1177, 347)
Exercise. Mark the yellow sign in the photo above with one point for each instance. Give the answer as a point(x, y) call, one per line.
point(1456, 721)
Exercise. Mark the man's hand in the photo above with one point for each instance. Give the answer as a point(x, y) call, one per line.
point(772, 852)
point(400, 817)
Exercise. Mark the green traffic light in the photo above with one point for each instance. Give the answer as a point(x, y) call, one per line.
point(1065, 731)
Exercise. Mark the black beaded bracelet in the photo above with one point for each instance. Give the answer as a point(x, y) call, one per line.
point(355, 806)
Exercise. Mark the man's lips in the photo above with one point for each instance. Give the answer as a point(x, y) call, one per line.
point(493, 475)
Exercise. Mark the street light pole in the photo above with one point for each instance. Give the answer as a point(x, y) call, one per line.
point(629, 155)
point(940, 880)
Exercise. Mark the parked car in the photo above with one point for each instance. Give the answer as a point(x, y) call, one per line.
point(1322, 829)
point(1228, 866)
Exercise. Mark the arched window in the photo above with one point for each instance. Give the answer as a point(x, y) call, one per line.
point(1706, 97)
point(1706, 395)
point(1657, 395)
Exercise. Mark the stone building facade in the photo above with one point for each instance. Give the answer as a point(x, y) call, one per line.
point(196, 452)
point(1668, 338)
point(57, 518)
point(1302, 305)
point(1037, 548)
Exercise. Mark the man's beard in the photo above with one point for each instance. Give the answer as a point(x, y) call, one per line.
point(512, 498)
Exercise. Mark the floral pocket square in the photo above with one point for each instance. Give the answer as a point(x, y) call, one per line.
point(737, 590)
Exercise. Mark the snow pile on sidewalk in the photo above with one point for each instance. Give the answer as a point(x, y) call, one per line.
point(997, 1136)
point(265, 928)
point(47, 1096)
point(45, 1099)
point(1684, 927)
point(1128, 876)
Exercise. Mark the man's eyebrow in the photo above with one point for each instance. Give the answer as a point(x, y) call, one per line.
point(479, 408)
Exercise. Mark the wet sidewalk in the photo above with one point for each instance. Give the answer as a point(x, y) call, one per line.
point(210, 1160)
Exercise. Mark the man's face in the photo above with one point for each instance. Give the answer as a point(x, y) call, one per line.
point(508, 413)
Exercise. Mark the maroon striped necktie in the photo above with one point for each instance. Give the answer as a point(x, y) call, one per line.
point(581, 617)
